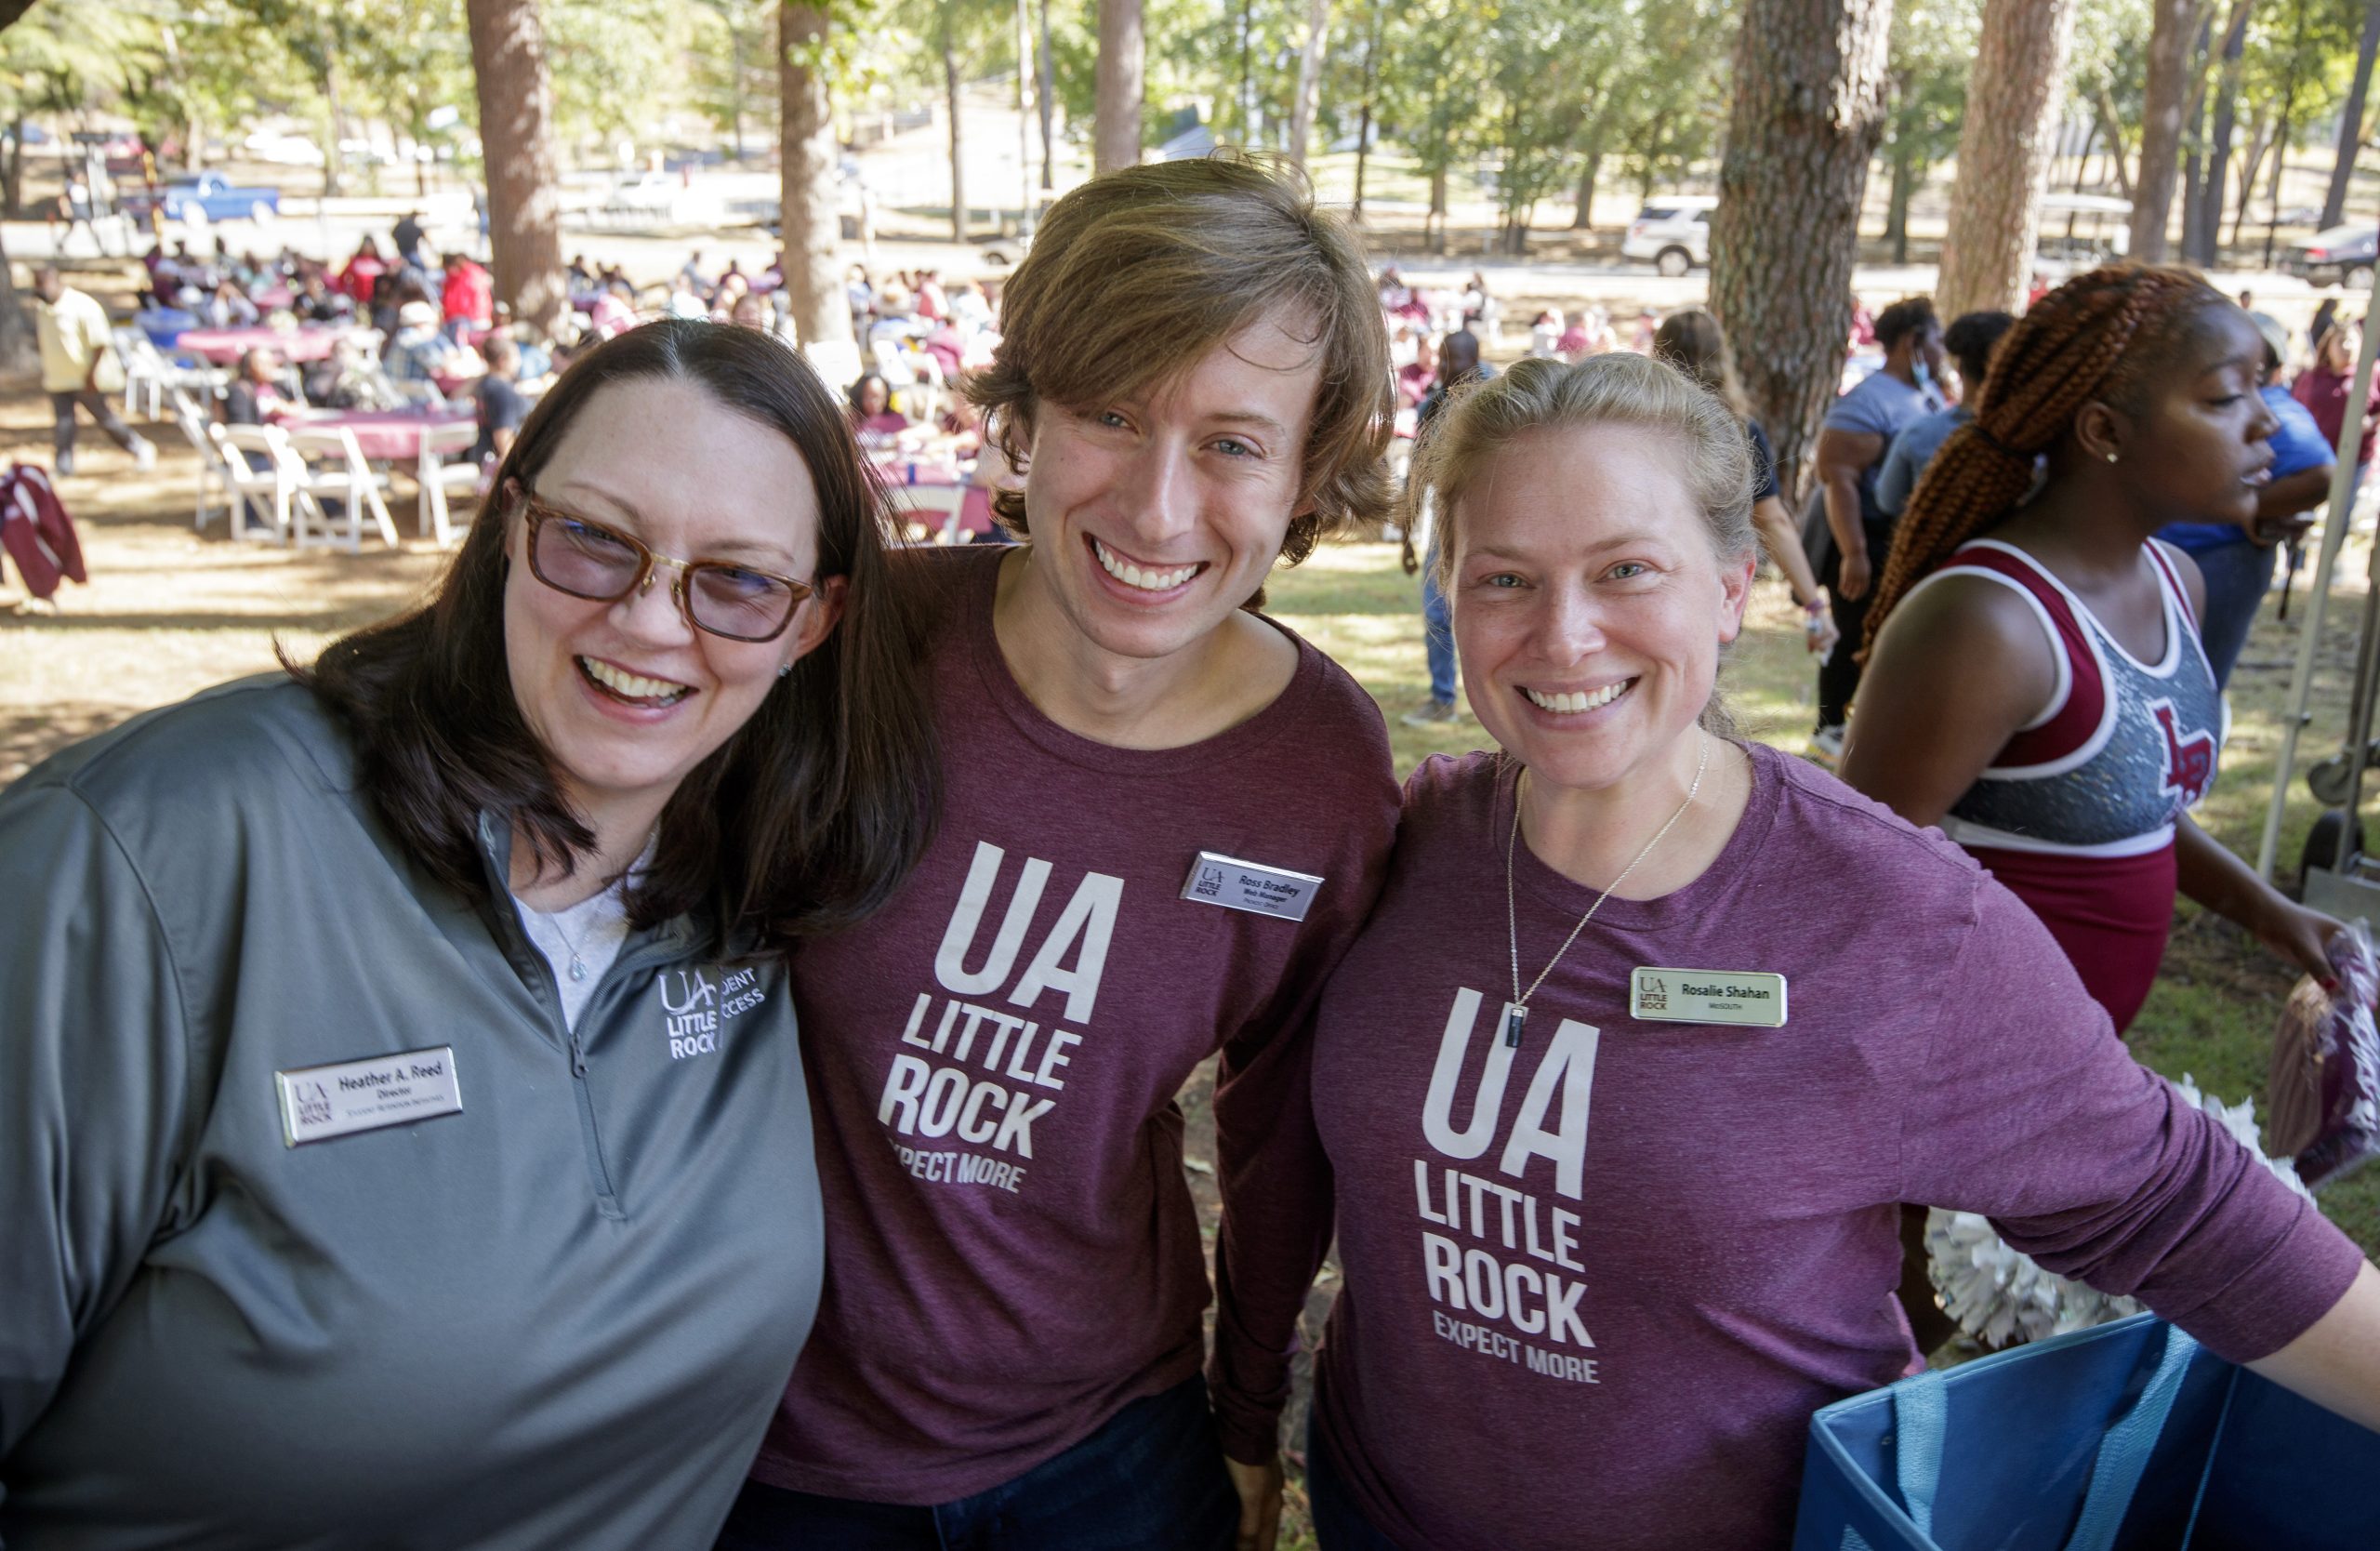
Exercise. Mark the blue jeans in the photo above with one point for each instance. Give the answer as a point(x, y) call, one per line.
point(1437, 632)
point(1338, 1525)
point(1151, 1478)
point(2237, 577)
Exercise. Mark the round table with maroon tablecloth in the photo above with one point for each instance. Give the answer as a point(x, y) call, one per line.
point(385, 435)
point(396, 436)
point(223, 346)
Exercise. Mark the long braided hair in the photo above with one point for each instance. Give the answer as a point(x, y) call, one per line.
point(2100, 336)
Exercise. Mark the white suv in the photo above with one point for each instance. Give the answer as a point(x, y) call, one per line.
point(1674, 233)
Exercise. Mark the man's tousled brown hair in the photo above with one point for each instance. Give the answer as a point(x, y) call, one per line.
point(1135, 275)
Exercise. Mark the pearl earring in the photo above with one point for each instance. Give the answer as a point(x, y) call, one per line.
point(2112, 457)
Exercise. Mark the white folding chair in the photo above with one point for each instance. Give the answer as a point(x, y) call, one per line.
point(931, 501)
point(437, 476)
point(837, 362)
point(343, 475)
point(148, 374)
point(192, 419)
point(275, 495)
point(892, 363)
point(141, 378)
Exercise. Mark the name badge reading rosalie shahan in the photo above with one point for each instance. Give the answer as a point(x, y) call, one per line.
point(1744, 997)
point(1216, 879)
point(318, 1102)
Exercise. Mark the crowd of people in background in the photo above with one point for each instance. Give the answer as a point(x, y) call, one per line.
point(423, 330)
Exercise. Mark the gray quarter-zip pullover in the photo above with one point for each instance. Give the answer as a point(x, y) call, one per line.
point(559, 1317)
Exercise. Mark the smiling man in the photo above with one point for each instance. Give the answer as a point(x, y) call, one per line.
point(1167, 816)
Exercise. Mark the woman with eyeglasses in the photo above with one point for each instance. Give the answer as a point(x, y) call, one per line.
point(403, 1134)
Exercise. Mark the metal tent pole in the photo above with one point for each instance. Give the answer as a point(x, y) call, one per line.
point(2339, 515)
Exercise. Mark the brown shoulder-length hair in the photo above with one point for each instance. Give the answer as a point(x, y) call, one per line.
point(804, 821)
point(1135, 275)
point(1692, 341)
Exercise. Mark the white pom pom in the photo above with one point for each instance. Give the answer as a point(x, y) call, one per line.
point(2000, 1296)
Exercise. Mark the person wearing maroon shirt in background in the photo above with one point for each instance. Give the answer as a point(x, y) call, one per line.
point(2324, 387)
point(1618, 1168)
point(1416, 378)
point(1168, 816)
point(465, 296)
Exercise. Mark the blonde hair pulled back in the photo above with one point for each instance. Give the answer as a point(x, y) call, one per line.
point(1481, 419)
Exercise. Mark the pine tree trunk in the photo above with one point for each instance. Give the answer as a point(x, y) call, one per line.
point(736, 89)
point(333, 159)
point(951, 106)
point(12, 197)
point(1583, 202)
point(1371, 87)
point(2170, 46)
point(1318, 39)
point(2014, 100)
point(811, 227)
point(2281, 132)
point(2194, 140)
point(516, 133)
point(1897, 203)
point(2351, 120)
point(18, 349)
point(2112, 127)
point(2250, 164)
point(1809, 112)
point(1048, 136)
point(1119, 84)
point(2227, 123)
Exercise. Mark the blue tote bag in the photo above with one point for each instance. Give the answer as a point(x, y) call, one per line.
point(2128, 1437)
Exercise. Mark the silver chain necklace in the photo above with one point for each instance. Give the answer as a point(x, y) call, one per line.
point(577, 964)
point(1518, 1015)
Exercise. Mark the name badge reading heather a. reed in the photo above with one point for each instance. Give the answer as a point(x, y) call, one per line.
point(318, 1102)
point(1251, 886)
point(1742, 997)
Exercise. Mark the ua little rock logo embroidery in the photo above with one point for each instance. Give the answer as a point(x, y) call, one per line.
point(696, 1008)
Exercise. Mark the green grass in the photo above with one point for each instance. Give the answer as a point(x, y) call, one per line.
point(2218, 994)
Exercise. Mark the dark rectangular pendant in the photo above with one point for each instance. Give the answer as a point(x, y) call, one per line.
point(1513, 1019)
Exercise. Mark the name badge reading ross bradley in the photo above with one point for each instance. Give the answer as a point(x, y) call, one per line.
point(1251, 886)
point(1708, 996)
point(318, 1102)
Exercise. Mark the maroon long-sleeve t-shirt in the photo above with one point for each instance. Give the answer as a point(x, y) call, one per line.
point(1012, 1250)
point(1596, 1285)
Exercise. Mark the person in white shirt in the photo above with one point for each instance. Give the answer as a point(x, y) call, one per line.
point(79, 367)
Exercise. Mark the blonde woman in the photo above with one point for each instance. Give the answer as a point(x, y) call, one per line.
point(1614, 1221)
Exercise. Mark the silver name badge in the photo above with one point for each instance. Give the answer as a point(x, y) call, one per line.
point(1708, 996)
point(1236, 885)
point(318, 1102)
